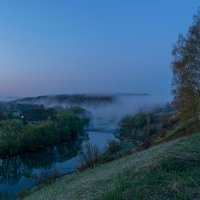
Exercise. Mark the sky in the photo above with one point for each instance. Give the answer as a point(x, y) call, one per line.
point(90, 46)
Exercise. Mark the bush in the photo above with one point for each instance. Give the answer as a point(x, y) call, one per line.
point(113, 146)
point(24, 193)
point(47, 177)
point(89, 156)
point(38, 136)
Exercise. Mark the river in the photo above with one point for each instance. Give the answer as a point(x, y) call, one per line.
point(17, 173)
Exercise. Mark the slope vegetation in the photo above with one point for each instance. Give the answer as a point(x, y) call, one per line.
point(166, 171)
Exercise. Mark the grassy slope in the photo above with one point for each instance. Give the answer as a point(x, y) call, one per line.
point(182, 128)
point(166, 171)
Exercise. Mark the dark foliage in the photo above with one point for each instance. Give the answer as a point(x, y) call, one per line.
point(18, 136)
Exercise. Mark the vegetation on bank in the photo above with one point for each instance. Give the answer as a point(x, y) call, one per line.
point(25, 135)
point(141, 126)
point(167, 171)
point(146, 129)
point(164, 126)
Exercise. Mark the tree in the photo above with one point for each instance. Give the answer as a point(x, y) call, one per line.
point(10, 136)
point(186, 71)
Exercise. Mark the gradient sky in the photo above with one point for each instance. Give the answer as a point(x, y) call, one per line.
point(89, 46)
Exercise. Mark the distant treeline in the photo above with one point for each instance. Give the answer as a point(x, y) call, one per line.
point(69, 99)
point(39, 128)
point(26, 112)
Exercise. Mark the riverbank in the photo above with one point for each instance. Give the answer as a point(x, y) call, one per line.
point(25, 135)
point(166, 171)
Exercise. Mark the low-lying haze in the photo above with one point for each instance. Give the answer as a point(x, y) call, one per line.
point(106, 108)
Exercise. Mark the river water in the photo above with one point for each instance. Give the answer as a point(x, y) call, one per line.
point(17, 173)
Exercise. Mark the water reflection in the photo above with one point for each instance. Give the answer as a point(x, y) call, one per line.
point(12, 169)
point(16, 173)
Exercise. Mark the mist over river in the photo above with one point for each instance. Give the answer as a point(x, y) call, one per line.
point(17, 173)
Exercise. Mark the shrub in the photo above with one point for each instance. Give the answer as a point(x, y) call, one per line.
point(24, 193)
point(46, 177)
point(89, 156)
point(113, 146)
point(38, 136)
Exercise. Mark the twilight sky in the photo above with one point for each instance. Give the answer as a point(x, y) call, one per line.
point(89, 46)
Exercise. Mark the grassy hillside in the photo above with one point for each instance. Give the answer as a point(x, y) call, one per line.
point(166, 171)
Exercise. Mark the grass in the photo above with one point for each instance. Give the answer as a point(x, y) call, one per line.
point(166, 171)
point(183, 128)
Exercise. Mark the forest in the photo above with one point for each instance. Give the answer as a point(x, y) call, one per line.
point(25, 128)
